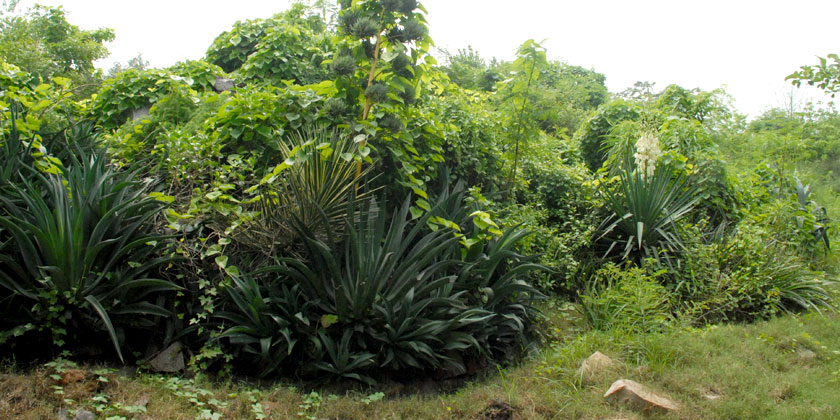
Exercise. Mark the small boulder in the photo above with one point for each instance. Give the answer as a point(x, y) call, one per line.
point(170, 360)
point(805, 353)
point(638, 397)
point(223, 85)
point(143, 112)
point(84, 415)
point(594, 365)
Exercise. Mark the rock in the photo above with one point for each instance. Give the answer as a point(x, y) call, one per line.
point(711, 394)
point(805, 353)
point(594, 365)
point(143, 401)
point(127, 371)
point(170, 360)
point(140, 112)
point(223, 84)
point(63, 415)
point(638, 397)
point(84, 415)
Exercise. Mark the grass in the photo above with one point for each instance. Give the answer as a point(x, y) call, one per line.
point(756, 371)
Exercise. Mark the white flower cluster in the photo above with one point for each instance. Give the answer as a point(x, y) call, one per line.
point(647, 152)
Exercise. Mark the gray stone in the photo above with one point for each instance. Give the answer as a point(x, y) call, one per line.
point(140, 112)
point(805, 353)
point(638, 397)
point(63, 415)
point(170, 360)
point(223, 85)
point(84, 415)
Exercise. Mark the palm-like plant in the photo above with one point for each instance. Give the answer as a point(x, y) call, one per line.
point(308, 190)
point(81, 240)
point(644, 212)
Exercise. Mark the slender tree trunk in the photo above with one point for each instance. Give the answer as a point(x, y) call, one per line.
point(510, 184)
point(368, 102)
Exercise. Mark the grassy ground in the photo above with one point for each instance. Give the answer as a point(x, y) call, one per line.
point(787, 368)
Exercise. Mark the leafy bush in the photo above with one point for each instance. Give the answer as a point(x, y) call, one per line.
point(78, 255)
point(135, 89)
point(389, 294)
point(592, 133)
point(628, 299)
point(744, 276)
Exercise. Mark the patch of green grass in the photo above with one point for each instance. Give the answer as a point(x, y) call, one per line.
point(786, 368)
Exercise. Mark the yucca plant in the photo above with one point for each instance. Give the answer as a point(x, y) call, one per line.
point(308, 190)
point(645, 210)
point(81, 249)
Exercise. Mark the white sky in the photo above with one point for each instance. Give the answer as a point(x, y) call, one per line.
point(748, 46)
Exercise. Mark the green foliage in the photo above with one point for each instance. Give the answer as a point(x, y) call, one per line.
point(44, 44)
point(627, 299)
point(289, 36)
point(645, 213)
point(825, 75)
point(469, 71)
point(252, 120)
point(287, 51)
point(79, 247)
point(389, 294)
point(527, 68)
point(134, 89)
point(471, 132)
point(748, 275)
point(592, 134)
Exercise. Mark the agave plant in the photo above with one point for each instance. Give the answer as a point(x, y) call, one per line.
point(390, 293)
point(644, 212)
point(81, 241)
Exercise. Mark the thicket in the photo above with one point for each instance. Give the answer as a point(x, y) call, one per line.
point(352, 208)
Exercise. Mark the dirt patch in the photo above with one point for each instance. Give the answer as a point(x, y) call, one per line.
point(20, 394)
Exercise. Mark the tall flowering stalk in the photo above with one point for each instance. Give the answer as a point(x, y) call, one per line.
point(647, 153)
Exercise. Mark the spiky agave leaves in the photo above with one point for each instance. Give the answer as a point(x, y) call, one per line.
point(364, 27)
point(410, 30)
point(311, 192)
point(401, 66)
point(343, 65)
point(390, 293)
point(377, 92)
point(84, 236)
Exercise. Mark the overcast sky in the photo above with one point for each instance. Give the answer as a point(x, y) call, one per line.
point(747, 46)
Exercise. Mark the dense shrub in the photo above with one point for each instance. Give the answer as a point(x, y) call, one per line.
point(592, 133)
point(391, 294)
point(748, 275)
point(627, 299)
